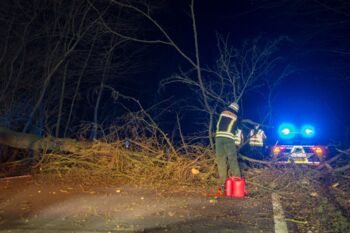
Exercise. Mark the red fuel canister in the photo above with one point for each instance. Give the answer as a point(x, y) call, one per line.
point(238, 186)
point(228, 187)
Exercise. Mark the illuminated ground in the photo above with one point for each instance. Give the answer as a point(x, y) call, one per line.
point(29, 207)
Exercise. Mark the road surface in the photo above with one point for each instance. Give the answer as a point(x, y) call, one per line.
point(27, 206)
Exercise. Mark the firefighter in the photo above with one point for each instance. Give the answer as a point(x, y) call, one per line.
point(226, 152)
point(256, 141)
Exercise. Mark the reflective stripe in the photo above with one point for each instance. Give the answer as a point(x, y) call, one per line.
point(218, 123)
point(225, 125)
point(229, 128)
point(238, 138)
point(257, 139)
point(224, 136)
point(237, 142)
point(233, 117)
point(256, 144)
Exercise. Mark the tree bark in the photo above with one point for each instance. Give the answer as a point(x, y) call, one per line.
point(32, 142)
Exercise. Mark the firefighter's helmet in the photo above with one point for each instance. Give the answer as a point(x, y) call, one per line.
point(234, 106)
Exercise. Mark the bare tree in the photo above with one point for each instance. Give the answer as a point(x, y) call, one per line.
point(104, 80)
point(237, 71)
point(51, 54)
point(145, 11)
point(68, 39)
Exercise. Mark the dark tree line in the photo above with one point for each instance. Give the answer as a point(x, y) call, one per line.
point(56, 59)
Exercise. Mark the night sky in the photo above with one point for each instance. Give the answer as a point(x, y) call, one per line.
point(315, 45)
point(318, 50)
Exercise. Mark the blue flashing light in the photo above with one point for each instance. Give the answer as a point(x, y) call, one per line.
point(308, 131)
point(286, 131)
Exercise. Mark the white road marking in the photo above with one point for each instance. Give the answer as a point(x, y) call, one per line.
point(278, 215)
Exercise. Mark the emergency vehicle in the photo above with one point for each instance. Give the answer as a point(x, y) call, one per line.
point(294, 146)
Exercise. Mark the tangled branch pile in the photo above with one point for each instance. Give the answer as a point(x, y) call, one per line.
point(139, 151)
point(143, 162)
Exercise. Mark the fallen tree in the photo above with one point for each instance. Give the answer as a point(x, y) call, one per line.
point(32, 142)
point(327, 164)
point(147, 159)
point(149, 150)
point(38, 144)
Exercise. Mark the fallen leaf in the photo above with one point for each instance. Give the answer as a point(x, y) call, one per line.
point(213, 201)
point(313, 194)
point(195, 171)
point(335, 185)
point(171, 214)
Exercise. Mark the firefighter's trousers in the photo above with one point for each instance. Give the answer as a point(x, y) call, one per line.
point(226, 154)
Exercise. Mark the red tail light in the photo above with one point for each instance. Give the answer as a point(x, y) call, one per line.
point(277, 149)
point(318, 150)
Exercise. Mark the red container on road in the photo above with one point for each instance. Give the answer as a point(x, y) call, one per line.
point(238, 185)
point(228, 187)
point(235, 187)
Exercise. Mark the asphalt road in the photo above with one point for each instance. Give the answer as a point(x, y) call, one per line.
point(29, 207)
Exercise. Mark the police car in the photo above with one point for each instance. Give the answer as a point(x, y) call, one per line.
point(294, 147)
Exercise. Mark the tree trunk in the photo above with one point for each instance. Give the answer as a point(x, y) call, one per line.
point(60, 107)
point(32, 142)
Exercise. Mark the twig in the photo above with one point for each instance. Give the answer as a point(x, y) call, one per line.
point(255, 160)
point(16, 177)
point(296, 221)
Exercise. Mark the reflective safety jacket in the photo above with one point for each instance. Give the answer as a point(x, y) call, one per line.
point(238, 137)
point(257, 138)
point(225, 125)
